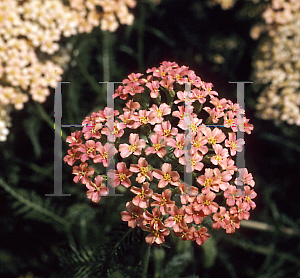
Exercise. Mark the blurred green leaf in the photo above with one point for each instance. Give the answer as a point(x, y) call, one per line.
point(210, 252)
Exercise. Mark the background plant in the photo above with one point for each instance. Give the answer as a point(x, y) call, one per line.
point(49, 236)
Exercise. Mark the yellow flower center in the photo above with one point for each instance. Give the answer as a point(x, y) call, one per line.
point(178, 218)
point(218, 157)
point(192, 162)
point(193, 127)
point(144, 170)
point(142, 195)
point(229, 122)
point(196, 144)
point(90, 150)
point(247, 198)
point(122, 176)
point(208, 182)
point(159, 113)
point(156, 233)
point(116, 131)
point(212, 140)
point(163, 201)
point(104, 156)
point(132, 147)
point(134, 215)
point(82, 173)
point(166, 132)
point(232, 145)
point(179, 145)
point(156, 219)
point(126, 120)
point(96, 187)
point(207, 202)
point(156, 147)
point(144, 120)
point(167, 177)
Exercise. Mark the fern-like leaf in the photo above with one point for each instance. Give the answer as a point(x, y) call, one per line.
point(30, 205)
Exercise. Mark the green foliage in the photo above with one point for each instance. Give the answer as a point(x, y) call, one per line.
point(119, 253)
point(210, 251)
point(80, 262)
point(30, 205)
point(32, 126)
point(177, 265)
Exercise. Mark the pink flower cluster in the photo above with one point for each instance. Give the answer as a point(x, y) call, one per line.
point(36, 26)
point(169, 140)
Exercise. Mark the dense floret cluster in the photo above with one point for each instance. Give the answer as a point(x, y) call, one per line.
point(30, 32)
point(276, 67)
point(173, 146)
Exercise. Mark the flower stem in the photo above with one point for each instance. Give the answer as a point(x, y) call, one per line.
point(145, 259)
point(44, 115)
point(106, 56)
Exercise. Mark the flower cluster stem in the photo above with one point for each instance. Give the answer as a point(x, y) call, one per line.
point(145, 259)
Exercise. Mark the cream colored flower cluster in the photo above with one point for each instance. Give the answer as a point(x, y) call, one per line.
point(225, 4)
point(29, 34)
point(277, 64)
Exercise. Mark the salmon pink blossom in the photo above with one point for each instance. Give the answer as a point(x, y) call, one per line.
point(154, 88)
point(235, 145)
point(193, 215)
point(201, 235)
point(176, 219)
point(221, 154)
point(188, 193)
point(141, 199)
point(165, 129)
point(241, 210)
point(166, 176)
point(156, 236)
point(160, 111)
point(205, 203)
point(163, 201)
point(135, 147)
point(88, 150)
point(215, 136)
point(96, 189)
point(142, 169)
point(233, 223)
point(154, 219)
point(121, 175)
point(159, 144)
point(75, 138)
point(249, 194)
point(192, 161)
point(73, 155)
point(244, 178)
point(82, 173)
point(134, 215)
point(221, 219)
point(178, 144)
